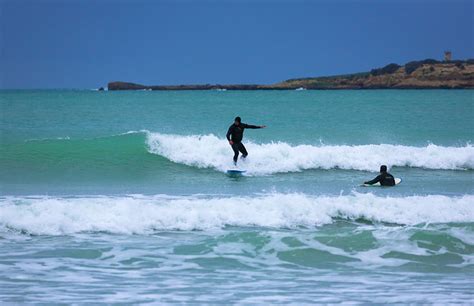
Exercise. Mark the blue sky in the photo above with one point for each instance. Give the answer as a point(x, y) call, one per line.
point(85, 44)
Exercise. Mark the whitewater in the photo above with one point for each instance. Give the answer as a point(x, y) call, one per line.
point(209, 151)
point(138, 214)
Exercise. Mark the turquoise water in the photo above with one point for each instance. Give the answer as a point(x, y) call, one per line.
point(123, 197)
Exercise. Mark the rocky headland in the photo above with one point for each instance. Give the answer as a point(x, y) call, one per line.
point(425, 74)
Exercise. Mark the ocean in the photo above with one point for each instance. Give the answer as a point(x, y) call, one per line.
point(123, 197)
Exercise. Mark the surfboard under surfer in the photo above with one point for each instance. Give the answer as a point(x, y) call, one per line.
point(235, 135)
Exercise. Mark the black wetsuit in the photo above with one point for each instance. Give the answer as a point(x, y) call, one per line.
point(385, 179)
point(236, 133)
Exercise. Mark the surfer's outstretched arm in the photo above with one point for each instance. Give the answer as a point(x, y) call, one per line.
point(375, 180)
point(250, 126)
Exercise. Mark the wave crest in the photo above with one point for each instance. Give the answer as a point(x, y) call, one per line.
point(209, 151)
point(144, 214)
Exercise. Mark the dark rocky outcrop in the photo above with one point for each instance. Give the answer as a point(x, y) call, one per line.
point(133, 86)
point(124, 86)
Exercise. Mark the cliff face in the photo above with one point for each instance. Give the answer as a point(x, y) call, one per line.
point(417, 74)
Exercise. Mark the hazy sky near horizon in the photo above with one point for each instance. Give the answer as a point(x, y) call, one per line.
point(85, 44)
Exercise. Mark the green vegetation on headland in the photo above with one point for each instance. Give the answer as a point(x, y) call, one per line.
point(426, 74)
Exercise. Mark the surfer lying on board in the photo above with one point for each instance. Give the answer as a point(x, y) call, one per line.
point(385, 178)
point(235, 135)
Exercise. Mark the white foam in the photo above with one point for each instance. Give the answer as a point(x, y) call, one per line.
point(209, 151)
point(143, 214)
point(48, 139)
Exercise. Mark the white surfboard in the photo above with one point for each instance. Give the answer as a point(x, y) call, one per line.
point(397, 181)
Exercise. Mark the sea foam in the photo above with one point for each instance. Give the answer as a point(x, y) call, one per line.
point(209, 151)
point(146, 214)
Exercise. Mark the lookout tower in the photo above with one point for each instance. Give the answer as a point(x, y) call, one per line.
point(447, 56)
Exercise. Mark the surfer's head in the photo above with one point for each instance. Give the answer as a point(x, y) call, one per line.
point(237, 120)
point(383, 168)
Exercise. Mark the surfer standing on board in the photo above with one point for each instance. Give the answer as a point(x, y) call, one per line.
point(235, 135)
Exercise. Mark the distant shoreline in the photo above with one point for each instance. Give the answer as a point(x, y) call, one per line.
point(426, 74)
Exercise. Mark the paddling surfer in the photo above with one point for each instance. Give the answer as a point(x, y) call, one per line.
point(385, 178)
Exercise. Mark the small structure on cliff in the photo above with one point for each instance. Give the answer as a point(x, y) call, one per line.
point(447, 56)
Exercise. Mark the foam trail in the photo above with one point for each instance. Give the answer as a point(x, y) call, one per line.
point(210, 151)
point(145, 214)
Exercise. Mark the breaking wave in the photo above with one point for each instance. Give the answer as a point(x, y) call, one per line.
point(209, 151)
point(145, 214)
